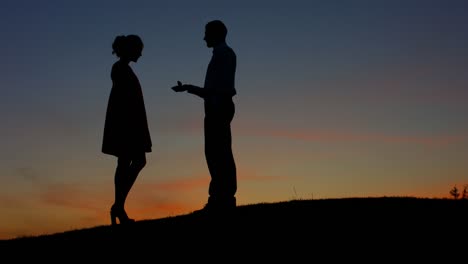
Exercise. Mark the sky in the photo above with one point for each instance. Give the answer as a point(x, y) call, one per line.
point(335, 99)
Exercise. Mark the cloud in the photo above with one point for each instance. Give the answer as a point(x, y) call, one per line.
point(149, 208)
point(202, 181)
point(27, 173)
point(72, 195)
point(11, 201)
point(334, 136)
point(179, 184)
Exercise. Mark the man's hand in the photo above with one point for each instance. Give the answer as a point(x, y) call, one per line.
point(180, 87)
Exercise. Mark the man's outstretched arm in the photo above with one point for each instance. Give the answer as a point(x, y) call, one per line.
point(190, 89)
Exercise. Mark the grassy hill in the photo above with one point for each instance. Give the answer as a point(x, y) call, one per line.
point(380, 229)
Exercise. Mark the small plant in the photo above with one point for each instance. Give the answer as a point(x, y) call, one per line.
point(465, 192)
point(454, 192)
point(295, 194)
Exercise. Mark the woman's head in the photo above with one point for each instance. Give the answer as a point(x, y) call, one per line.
point(127, 47)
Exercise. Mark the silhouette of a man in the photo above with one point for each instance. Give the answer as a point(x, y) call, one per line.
point(218, 92)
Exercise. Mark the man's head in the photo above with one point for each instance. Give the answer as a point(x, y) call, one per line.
point(215, 33)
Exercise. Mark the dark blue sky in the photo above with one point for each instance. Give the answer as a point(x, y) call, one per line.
point(335, 99)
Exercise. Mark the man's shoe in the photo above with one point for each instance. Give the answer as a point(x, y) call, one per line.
point(212, 208)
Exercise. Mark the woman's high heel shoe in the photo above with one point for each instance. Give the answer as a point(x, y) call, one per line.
point(121, 215)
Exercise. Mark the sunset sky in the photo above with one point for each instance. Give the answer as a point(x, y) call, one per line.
point(335, 99)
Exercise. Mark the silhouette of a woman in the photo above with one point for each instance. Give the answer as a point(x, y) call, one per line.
point(126, 132)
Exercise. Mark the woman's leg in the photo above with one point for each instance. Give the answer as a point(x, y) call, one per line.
point(137, 163)
point(126, 173)
point(120, 179)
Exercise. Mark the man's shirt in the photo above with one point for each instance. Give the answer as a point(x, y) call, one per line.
point(220, 75)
